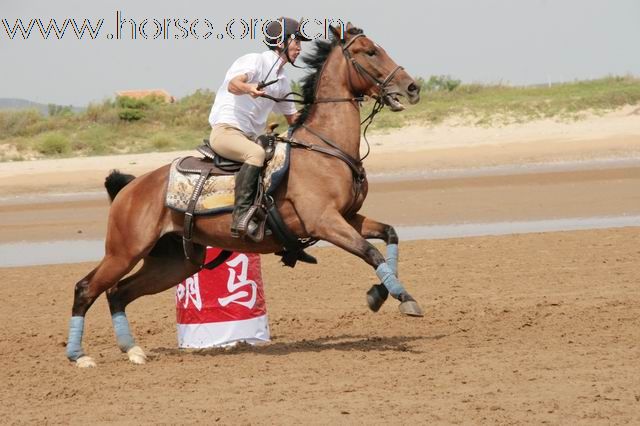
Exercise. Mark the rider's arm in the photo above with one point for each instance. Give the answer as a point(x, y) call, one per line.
point(238, 86)
point(291, 118)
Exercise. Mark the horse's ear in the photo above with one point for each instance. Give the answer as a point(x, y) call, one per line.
point(337, 32)
point(351, 30)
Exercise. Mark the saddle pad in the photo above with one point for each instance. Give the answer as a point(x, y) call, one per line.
point(218, 191)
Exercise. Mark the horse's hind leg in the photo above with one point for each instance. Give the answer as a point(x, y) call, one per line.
point(87, 290)
point(157, 274)
point(371, 229)
point(332, 227)
point(137, 219)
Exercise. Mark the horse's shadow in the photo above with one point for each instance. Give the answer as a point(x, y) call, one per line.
point(347, 343)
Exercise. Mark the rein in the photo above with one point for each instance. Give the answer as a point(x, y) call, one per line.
point(380, 84)
point(316, 101)
point(354, 164)
point(377, 107)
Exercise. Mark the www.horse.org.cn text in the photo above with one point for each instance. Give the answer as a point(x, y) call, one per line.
point(145, 28)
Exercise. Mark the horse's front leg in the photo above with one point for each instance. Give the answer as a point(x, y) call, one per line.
point(335, 229)
point(371, 229)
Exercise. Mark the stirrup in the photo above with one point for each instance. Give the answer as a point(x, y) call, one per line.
point(252, 224)
point(257, 223)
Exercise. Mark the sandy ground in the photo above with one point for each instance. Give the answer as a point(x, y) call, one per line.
point(538, 328)
point(531, 196)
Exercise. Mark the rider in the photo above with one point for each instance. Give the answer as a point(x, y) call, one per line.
point(239, 112)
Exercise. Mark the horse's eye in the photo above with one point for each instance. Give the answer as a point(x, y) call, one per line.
point(371, 52)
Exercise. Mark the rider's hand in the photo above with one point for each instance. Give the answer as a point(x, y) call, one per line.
point(253, 90)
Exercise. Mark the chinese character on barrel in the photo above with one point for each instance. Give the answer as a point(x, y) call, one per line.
point(223, 306)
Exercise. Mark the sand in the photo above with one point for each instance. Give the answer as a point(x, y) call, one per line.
point(536, 328)
point(518, 329)
point(531, 196)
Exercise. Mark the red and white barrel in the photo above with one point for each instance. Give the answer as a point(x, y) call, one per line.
point(223, 306)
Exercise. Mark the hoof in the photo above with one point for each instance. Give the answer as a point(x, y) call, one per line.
point(136, 355)
point(376, 296)
point(85, 362)
point(411, 308)
point(306, 258)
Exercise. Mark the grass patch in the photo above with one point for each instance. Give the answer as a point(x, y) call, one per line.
point(499, 104)
point(53, 145)
point(100, 128)
point(160, 142)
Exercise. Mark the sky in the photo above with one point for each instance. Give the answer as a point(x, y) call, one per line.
point(515, 42)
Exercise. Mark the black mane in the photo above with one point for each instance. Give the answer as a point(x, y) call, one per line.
point(315, 61)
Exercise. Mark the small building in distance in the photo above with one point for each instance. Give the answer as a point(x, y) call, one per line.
point(139, 94)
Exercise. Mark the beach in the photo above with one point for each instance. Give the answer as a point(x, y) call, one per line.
point(536, 327)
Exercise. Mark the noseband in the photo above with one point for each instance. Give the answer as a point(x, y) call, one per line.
point(333, 149)
point(360, 70)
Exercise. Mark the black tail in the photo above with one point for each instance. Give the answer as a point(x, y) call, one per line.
point(116, 181)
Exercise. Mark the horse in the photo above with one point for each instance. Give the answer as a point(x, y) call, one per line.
point(319, 199)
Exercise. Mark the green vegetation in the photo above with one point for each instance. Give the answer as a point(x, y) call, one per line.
point(59, 110)
point(53, 144)
point(126, 125)
point(486, 105)
point(112, 127)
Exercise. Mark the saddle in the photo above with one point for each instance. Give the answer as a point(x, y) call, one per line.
point(218, 164)
point(265, 218)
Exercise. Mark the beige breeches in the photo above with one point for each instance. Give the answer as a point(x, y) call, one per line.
point(231, 143)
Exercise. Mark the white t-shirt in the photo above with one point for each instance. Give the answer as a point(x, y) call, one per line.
point(243, 111)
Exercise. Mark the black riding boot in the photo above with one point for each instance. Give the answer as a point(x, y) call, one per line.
point(245, 193)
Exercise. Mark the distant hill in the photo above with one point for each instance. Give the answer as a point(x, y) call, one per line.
point(13, 103)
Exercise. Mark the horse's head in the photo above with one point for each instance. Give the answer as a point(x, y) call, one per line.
point(373, 72)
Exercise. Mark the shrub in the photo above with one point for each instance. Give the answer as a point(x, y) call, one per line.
point(161, 141)
point(201, 98)
point(191, 111)
point(54, 144)
point(98, 147)
point(95, 140)
point(131, 109)
point(130, 114)
point(19, 123)
point(105, 113)
point(126, 102)
point(438, 83)
point(57, 110)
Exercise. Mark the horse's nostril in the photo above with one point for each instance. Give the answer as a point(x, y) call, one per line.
point(413, 88)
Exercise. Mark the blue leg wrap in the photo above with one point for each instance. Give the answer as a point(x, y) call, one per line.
point(74, 342)
point(392, 258)
point(388, 278)
point(123, 333)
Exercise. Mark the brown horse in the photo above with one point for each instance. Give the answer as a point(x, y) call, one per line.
point(319, 199)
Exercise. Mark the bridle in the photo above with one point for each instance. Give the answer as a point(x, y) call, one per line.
point(382, 85)
point(383, 92)
point(362, 71)
point(332, 149)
